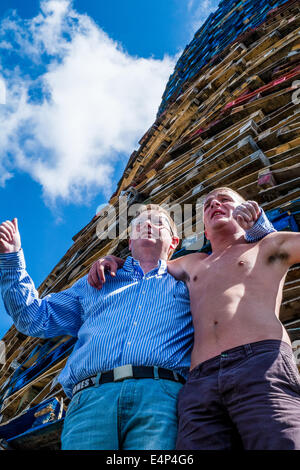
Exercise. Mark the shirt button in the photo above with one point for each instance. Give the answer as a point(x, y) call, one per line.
point(140, 307)
point(143, 292)
point(129, 343)
point(135, 323)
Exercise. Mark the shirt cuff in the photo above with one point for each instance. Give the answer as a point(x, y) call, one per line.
point(14, 260)
point(260, 229)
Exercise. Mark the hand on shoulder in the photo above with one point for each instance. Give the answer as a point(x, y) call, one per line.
point(108, 264)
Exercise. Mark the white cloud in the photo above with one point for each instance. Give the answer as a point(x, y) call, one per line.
point(199, 11)
point(95, 102)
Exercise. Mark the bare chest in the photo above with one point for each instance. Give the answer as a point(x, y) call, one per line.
point(226, 269)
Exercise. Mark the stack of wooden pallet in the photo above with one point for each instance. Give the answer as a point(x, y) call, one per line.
point(231, 117)
point(221, 28)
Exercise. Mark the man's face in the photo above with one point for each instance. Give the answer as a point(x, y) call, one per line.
point(151, 228)
point(150, 224)
point(218, 209)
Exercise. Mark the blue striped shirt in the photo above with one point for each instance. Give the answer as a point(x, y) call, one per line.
point(136, 318)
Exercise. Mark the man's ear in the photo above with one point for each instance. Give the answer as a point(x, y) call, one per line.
point(174, 243)
point(205, 233)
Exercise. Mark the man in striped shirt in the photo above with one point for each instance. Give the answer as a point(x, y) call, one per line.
point(138, 327)
point(134, 339)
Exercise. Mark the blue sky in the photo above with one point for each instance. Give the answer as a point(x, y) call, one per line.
point(83, 82)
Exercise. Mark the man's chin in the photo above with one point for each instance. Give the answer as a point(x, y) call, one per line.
point(217, 223)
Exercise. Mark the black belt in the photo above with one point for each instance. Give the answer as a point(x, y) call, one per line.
point(128, 372)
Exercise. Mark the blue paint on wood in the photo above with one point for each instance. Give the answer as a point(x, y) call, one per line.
point(213, 37)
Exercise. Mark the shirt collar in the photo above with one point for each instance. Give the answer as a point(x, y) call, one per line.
point(132, 265)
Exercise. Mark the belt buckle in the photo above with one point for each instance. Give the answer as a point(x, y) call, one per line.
point(123, 372)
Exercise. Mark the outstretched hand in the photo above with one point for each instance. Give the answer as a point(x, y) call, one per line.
point(96, 276)
point(10, 240)
point(247, 214)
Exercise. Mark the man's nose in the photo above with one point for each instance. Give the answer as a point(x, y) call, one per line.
point(215, 203)
point(146, 223)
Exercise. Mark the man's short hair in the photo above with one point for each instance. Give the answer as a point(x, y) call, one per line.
point(157, 207)
point(225, 188)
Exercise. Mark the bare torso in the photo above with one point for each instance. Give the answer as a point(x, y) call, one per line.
point(235, 297)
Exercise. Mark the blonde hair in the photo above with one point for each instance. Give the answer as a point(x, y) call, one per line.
point(225, 188)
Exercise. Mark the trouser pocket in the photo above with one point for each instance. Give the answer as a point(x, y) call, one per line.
point(291, 371)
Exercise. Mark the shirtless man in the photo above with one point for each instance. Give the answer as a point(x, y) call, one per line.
point(243, 388)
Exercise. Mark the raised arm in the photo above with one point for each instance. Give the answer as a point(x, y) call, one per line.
point(253, 220)
point(55, 315)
